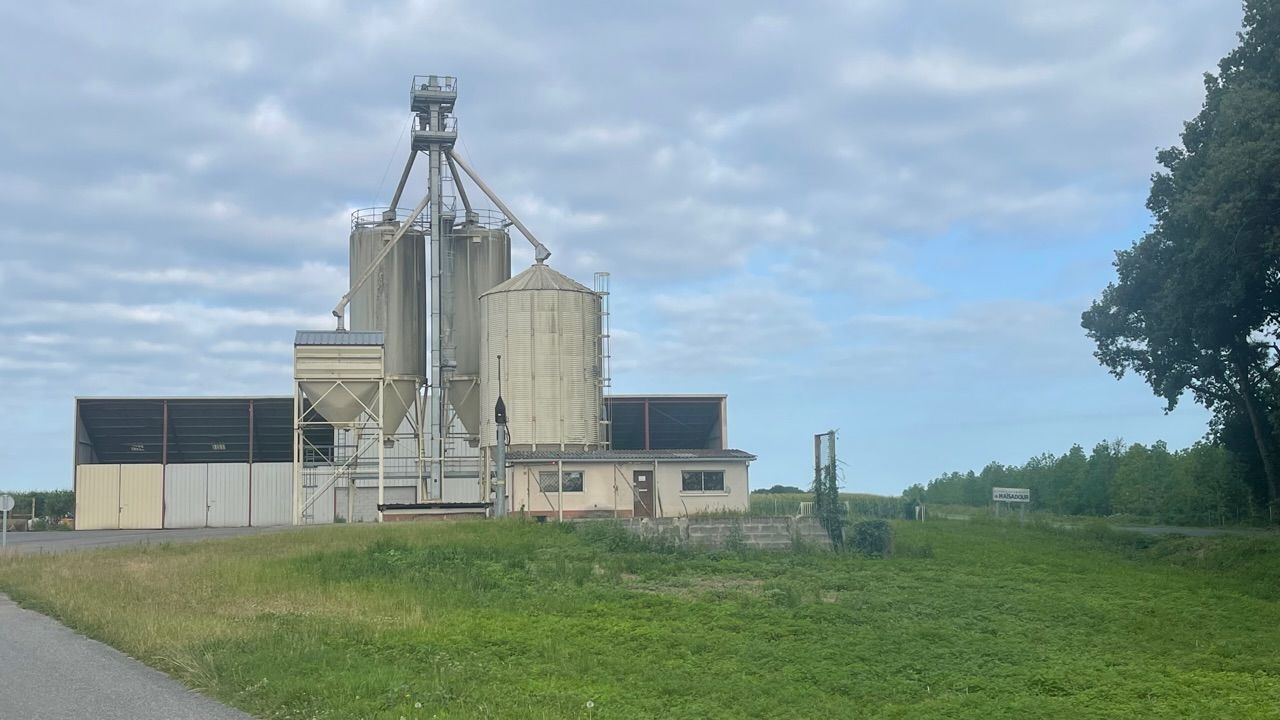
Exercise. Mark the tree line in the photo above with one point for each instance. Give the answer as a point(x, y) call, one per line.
point(1195, 307)
point(1204, 484)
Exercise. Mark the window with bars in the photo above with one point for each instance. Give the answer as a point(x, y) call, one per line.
point(549, 481)
point(702, 481)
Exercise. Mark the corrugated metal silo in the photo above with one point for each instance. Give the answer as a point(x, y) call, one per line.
point(393, 301)
point(481, 260)
point(546, 327)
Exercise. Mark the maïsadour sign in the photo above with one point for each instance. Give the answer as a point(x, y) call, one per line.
point(1022, 496)
point(1019, 495)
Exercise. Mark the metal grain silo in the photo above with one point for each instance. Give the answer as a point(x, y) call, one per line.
point(392, 301)
point(480, 259)
point(546, 327)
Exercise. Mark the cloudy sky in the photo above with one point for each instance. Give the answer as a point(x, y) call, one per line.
point(878, 216)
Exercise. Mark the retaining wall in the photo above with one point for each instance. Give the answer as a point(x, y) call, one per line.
point(764, 533)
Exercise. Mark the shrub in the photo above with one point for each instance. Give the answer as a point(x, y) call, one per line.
point(871, 537)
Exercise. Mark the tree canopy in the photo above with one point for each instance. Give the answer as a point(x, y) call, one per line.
point(1195, 307)
point(1201, 485)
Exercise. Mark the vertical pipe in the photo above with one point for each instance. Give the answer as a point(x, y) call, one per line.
point(351, 484)
point(438, 428)
point(646, 424)
point(251, 462)
point(501, 470)
point(500, 473)
point(297, 454)
point(420, 409)
point(657, 501)
point(164, 457)
point(560, 491)
point(381, 455)
point(164, 434)
point(817, 465)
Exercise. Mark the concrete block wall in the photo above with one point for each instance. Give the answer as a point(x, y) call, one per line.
point(763, 533)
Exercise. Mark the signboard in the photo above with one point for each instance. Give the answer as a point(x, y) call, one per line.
point(1018, 495)
point(6, 504)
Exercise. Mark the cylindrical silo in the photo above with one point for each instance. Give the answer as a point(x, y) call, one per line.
point(546, 327)
point(393, 301)
point(480, 259)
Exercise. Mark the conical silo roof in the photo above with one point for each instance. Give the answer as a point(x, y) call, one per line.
point(539, 277)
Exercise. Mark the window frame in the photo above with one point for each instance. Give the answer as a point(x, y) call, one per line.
point(702, 482)
point(555, 481)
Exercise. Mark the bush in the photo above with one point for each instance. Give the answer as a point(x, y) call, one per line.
point(779, 490)
point(871, 537)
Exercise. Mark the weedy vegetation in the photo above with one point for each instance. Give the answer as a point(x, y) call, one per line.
point(514, 620)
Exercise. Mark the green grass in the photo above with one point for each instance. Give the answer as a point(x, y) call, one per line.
point(511, 620)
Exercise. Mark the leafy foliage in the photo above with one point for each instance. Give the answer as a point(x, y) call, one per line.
point(52, 504)
point(872, 537)
point(778, 490)
point(1196, 304)
point(826, 493)
point(1201, 485)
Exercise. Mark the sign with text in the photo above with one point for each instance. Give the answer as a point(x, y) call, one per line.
point(1000, 494)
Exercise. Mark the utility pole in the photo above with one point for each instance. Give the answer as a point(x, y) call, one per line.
point(500, 452)
point(826, 490)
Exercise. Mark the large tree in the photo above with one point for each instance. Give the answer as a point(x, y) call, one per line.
point(1196, 304)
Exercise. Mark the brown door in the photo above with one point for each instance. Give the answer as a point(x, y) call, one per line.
point(642, 481)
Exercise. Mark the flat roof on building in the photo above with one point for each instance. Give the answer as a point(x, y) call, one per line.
point(528, 456)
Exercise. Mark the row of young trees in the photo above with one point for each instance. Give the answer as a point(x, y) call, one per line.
point(1201, 485)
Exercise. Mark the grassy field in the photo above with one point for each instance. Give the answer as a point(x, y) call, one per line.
point(512, 620)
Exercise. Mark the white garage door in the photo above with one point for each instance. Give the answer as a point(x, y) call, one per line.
point(272, 494)
point(97, 497)
point(228, 495)
point(141, 497)
point(185, 488)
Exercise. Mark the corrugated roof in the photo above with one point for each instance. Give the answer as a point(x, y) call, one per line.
point(338, 337)
point(539, 277)
point(620, 455)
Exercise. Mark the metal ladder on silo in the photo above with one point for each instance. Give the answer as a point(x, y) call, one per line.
point(605, 381)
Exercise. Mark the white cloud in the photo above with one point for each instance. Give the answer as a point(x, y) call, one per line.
point(177, 184)
point(937, 70)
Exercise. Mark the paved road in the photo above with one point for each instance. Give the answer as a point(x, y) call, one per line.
point(54, 541)
point(52, 673)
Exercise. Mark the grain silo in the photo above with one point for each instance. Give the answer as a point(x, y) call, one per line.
point(479, 258)
point(546, 327)
point(392, 302)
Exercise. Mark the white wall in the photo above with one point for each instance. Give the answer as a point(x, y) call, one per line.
point(366, 509)
point(97, 497)
point(607, 487)
point(186, 495)
point(673, 501)
point(272, 494)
